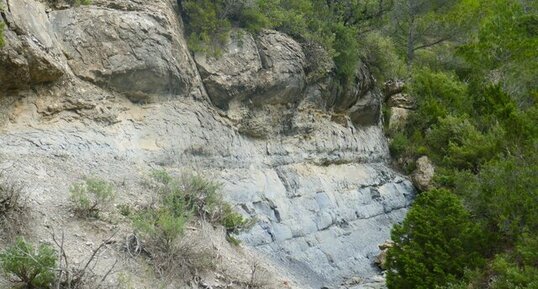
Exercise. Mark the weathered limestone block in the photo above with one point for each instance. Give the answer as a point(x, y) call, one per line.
point(398, 118)
point(393, 87)
point(401, 100)
point(263, 69)
point(137, 53)
point(30, 55)
point(423, 175)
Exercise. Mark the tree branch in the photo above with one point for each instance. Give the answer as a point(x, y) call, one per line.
point(430, 44)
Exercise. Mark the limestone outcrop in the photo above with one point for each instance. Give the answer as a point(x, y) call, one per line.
point(400, 104)
point(137, 53)
point(423, 175)
point(115, 93)
point(31, 55)
point(262, 69)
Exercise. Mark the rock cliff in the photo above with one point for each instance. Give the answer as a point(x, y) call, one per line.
point(111, 90)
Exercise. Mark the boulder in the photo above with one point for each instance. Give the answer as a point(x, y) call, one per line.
point(393, 86)
point(398, 118)
point(263, 69)
point(366, 110)
point(29, 56)
point(381, 259)
point(137, 53)
point(401, 100)
point(423, 175)
point(362, 101)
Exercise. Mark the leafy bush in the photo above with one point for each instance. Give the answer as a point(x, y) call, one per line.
point(125, 210)
point(91, 196)
point(438, 94)
point(333, 24)
point(82, 2)
point(457, 143)
point(398, 144)
point(434, 244)
point(208, 24)
point(504, 196)
point(34, 268)
point(162, 226)
point(517, 270)
point(179, 199)
point(379, 53)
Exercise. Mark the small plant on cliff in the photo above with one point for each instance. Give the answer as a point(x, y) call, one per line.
point(13, 212)
point(10, 197)
point(163, 222)
point(26, 265)
point(90, 196)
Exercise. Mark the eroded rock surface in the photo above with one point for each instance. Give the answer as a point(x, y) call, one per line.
point(262, 69)
point(423, 175)
point(31, 55)
point(317, 181)
point(137, 53)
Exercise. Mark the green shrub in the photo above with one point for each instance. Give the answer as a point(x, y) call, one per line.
point(32, 267)
point(208, 25)
point(180, 198)
point(438, 94)
point(91, 196)
point(232, 221)
point(398, 144)
point(380, 54)
point(457, 143)
point(162, 226)
point(503, 195)
point(125, 210)
point(519, 269)
point(14, 213)
point(434, 245)
point(346, 56)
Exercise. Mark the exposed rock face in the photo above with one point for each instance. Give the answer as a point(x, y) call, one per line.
point(400, 104)
point(362, 101)
point(31, 55)
point(423, 175)
point(265, 69)
point(318, 183)
point(133, 52)
point(271, 69)
point(398, 118)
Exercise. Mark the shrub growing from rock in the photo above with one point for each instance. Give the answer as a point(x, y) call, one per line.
point(10, 197)
point(29, 266)
point(163, 222)
point(13, 211)
point(90, 196)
